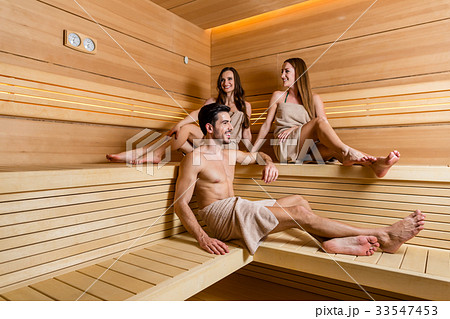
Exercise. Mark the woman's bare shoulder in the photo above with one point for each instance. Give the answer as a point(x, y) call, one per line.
point(210, 100)
point(277, 94)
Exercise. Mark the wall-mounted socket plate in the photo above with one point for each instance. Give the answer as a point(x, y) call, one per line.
point(80, 42)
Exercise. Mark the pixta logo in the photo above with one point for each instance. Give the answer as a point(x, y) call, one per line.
point(142, 145)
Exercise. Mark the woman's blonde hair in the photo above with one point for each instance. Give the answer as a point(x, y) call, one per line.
point(303, 85)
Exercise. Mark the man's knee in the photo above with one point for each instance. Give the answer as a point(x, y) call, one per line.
point(299, 200)
point(302, 215)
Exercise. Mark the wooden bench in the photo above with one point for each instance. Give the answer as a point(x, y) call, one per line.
point(62, 228)
point(420, 268)
point(59, 234)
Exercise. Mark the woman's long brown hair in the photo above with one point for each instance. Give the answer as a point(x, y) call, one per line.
point(303, 85)
point(238, 93)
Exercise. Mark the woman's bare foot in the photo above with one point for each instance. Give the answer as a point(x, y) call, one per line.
point(382, 164)
point(125, 157)
point(353, 156)
point(358, 245)
point(402, 231)
point(150, 157)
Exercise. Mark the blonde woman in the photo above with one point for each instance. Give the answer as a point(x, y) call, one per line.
point(299, 116)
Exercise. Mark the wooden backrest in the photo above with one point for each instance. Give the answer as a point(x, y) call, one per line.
point(352, 195)
point(53, 119)
point(55, 220)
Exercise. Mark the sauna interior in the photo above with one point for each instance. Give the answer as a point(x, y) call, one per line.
point(381, 67)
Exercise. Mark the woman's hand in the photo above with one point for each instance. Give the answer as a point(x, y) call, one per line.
point(175, 130)
point(285, 134)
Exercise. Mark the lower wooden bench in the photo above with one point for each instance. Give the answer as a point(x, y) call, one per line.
point(62, 228)
point(421, 272)
point(169, 269)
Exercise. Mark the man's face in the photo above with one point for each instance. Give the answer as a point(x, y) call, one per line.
point(222, 128)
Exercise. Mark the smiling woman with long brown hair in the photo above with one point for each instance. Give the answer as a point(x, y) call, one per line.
point(230, 93)
point(299, 116)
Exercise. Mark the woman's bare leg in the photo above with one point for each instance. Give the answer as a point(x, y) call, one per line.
point(331, 146)
point(320, 129)
point(188, 133)
point(129, 156)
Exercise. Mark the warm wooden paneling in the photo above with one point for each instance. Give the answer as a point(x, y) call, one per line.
point(89, 119)
point(208, 14)
point(316, 23)
point(418, 145)
point(100, 219)
point(363, 56)
point(155, 38)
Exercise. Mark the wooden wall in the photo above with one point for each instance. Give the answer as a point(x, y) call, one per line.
point(32, 39)
point(394, 44)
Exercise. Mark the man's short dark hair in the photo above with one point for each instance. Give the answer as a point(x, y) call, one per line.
point(208, 114)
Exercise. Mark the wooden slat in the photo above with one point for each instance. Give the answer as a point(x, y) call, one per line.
point(405, 206)
point(392, 260)
point(79, 190)
point(195, 249)
point(280, 31)
point(25, 294)
point(415, 259)
point(131, 270)
point(179, 253)
point(99, 233)
point(152, 265)
point(79, 217)
point(208, 15)
point(116, 279)
point(78, 177)
point(58, 290)
point(376, 186)
point(166, 259)
point(76, 256)
point(82, 198)
point(100, 289)
point(438, 263)
point(117, 19)
point(363, 195)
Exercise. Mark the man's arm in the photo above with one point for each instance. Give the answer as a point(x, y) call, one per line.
point(270, 172)
point(187, 178)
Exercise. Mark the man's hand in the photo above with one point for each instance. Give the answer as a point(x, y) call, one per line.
point(213, 246)
point(270, 173)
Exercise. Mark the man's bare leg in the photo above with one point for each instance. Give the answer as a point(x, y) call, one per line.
point(390, 238)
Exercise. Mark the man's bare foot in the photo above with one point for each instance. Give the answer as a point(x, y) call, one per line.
point(382, 164)
point(402, 231)
point(358, 245)
point(356, 157)
point(123, 157)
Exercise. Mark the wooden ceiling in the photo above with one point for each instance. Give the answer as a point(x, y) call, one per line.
point(212, 13)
